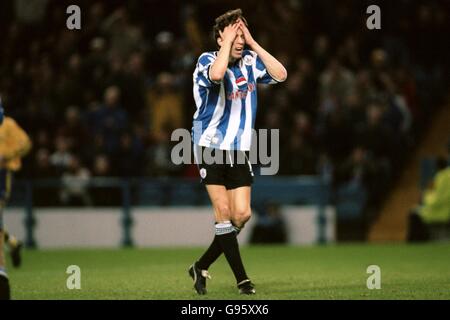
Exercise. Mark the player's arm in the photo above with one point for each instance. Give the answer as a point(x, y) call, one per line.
point(220, 65)
point(24, 142)
point(18, 143)
point(273, 66)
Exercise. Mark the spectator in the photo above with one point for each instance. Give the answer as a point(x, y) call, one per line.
point(43, 169)
point(159, 161)
point(30, 11)
point(62, 157)
point(109, 120)
point(102, 167)
point(299, 158)
point(336, 81)
point(101, 195)
point(73, 130)
point(124, 36)
point(436, 200)
point(75, 185)
point(360, 170)
point(128, 158)
point(164, 105)
point(270, 226)
point(431, 219)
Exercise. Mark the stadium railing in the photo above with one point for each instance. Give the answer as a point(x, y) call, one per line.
point(141, 192)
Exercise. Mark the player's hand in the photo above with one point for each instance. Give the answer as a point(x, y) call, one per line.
point(247, 35)
point(229, 33)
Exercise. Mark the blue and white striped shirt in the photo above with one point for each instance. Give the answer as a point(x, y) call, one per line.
point(226, 111)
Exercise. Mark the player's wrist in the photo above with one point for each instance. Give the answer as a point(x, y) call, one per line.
point(253, 45)
point(228, 42)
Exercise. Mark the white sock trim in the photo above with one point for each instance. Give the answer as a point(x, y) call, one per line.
point(224, 227)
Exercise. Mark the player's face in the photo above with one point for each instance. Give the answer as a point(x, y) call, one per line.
point(238, 45)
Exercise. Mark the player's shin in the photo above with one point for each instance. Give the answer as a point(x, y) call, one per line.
point(2, 254)
point(226, 236)
point(2, 236)
point(5, 293)
point(211, 254)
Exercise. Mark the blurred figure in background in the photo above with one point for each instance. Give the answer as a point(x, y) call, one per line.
point(109, 120)
point(75, 184)
point(43, 169)
point(60, 159)
point(104, 196)
point(164, 105)
point(14, 144)
point(431, 219)
point(270, 226)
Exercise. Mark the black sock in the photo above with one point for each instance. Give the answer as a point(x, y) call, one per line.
point(228, 242)
point(211, 254)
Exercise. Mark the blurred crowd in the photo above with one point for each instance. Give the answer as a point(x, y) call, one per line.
point(103, 100)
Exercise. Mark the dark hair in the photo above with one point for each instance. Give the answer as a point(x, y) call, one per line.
point(226, 19)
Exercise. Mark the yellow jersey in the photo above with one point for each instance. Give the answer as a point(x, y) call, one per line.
point(14, 144)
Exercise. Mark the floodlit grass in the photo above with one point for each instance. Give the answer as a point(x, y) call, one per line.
point(279, 272)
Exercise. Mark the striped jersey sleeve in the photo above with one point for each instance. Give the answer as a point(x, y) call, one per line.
point(261, 73)
point(201, 73)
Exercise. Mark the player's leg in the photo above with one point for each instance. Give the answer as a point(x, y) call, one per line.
point(239, 192)
point(220, 202)
point(15, 248)
point(225, 232)
point(224, 241)
point(240, 206)
point(215, 179)
point(14, 245)
point(239, 189)
point(4, 281)
point(213, 175)
point(240, 214)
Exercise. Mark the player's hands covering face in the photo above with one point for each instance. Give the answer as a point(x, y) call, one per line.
point(247, 35)
point(229, 33)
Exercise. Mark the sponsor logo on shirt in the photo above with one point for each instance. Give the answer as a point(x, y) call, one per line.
point(242, 94)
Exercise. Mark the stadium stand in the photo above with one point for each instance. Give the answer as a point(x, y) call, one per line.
point(103, 100)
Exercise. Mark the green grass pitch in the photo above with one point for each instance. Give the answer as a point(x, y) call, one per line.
point(279, 272)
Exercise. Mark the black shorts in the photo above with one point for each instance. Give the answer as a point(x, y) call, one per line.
point(229, 168)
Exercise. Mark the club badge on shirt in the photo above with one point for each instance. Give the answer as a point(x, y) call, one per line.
point(248, 60)
point(203, 173)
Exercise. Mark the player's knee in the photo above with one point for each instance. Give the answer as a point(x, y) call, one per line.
point(242, 215)
point(224, 210)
